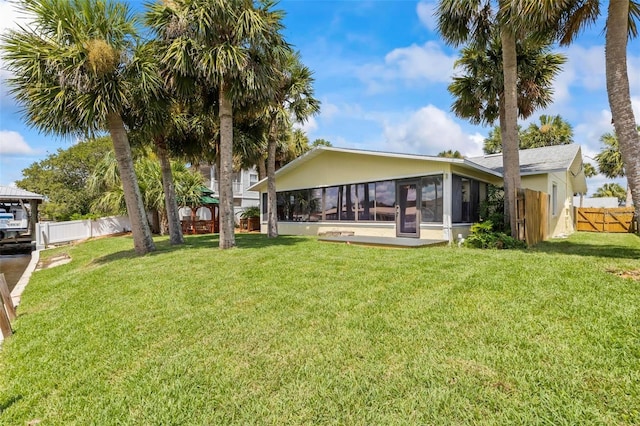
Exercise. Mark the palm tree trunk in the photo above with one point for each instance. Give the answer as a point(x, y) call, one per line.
point(142, 238)
point(272, 202)
point(170, 202)
point(227, 220)
point(509, 129)
point(262, 169)
point(619, 97)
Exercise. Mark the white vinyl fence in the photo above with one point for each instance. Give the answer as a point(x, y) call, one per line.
point(63, 232)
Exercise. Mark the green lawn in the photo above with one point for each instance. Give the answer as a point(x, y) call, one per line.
point(295, 331)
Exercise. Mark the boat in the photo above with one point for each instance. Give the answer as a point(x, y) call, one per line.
point(13, 223)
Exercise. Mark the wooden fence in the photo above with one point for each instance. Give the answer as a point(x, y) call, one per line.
point(7, 309)
point(620, 219)
point(532, 210)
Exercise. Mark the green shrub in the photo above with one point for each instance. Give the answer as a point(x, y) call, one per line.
point(250, 212)
point(492, 209)
point(78, 216)
point(483, 236)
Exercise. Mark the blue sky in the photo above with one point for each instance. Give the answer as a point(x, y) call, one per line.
point(381, 73)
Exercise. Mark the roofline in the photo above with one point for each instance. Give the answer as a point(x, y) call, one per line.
point(319, 149)
point(483, 168)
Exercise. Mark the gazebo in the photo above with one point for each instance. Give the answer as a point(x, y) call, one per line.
point(201, 224)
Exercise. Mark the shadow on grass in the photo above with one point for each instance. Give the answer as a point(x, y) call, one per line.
point(243, 241)
point(588, 249)
point(4, 405)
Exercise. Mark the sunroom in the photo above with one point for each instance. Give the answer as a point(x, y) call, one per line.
point(368, 193)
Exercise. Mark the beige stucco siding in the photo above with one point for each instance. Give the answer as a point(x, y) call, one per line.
point(560, 223)
point(338, 168)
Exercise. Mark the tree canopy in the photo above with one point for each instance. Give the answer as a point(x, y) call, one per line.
point(551, 131)
point(450, 154)
point(62, 178)
point(611, 190)
point(77, 67)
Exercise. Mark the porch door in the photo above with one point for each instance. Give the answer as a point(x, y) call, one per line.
point(407, 211)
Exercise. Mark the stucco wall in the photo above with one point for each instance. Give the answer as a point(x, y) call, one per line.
point(562, 222)
point(337, 168)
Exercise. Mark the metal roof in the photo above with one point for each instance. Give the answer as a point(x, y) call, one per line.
point(10, 193)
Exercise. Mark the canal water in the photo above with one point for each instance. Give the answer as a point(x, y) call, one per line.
point(12, 266)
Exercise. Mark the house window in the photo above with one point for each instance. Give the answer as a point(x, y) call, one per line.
point(265, 206)
point(315, 205)
point(293, 206)
point(466, 198)
point(431, 205)
point(365, 199)
point(253, 179)
point(385, 201)
point(554, 199)
point(331, 203)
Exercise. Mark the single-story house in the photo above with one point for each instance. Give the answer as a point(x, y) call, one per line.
point(381, 194)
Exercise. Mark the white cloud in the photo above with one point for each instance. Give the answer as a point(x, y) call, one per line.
point(10, 18)
point(585, 68)
point(429, 131)
point(588, 133)
point(426, 63)
point(12, 143)
point(328, 110)
point(633, 71)
point(308, 126)
point(635, 104)
point(426, 14)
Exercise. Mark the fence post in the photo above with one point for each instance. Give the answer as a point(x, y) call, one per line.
point(5, 324)
point(45, 235)
point(5, 297)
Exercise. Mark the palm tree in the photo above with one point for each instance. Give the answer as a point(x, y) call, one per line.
point(611, 190)
point(292, 98)
point(610, 161)
point(551, 131)
point(105, 180)
point(476, 22)
point(76, 70)
point(569, 18)
point(230, 47)
point(450, 154)
point(618, 30)
point(154, 118)
point(589, 170)
point(479, 91)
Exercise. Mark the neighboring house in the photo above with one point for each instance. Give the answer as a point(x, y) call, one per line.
point(385, 194)
point(242, 197)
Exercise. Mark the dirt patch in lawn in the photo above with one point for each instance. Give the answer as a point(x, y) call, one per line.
point(634, 274)
point(54, 261)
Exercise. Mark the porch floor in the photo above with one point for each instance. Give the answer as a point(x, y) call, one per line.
point(383, 241)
